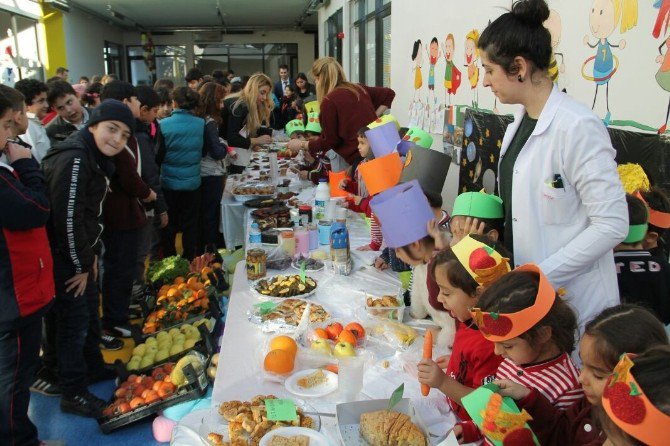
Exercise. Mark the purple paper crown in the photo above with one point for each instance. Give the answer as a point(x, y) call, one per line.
point(383, 139)
point(403, 213)
point(404, 146)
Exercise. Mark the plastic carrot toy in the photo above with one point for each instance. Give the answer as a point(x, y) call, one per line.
point(427, 354)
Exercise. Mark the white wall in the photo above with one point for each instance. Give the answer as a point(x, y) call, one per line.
point(85, 37)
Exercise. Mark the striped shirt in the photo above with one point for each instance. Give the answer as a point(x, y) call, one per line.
point(556, 379)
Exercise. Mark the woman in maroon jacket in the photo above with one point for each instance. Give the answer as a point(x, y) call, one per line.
point(345, 108)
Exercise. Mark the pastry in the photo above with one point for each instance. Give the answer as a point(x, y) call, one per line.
point(386, 428)
point(298, 440)
point(312, 380)
point(215, 439)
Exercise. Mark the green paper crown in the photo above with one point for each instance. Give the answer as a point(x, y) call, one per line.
point(384, 119)
point(313, 107)
point(294, 126)
point(636, 233)
point(478, 205)
point(419, 137)
point(313, 123)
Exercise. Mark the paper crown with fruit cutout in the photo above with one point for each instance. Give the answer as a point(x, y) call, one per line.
point(381, 173)
point(383, 139)
point(385, 119)
point(313, 123)
point(478, 205)
point(312, 107)
point(482, 262)
point(293, 126)
point(629, 408)
point(415, 136)
point(498, 417)
point(656, 218)
point(499, 327)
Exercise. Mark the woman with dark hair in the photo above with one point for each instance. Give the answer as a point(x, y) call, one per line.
point(564, 205)
point(91, 97)
point(303, 88)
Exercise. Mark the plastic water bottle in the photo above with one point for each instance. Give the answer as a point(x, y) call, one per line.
point(322, 197)
point(254, 236)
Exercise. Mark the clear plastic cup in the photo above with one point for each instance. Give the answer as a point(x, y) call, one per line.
point(350, 377)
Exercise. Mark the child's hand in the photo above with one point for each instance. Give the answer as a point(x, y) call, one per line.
point(431, 374)
point(16, 152)
point(512, 389)
point(443, 361)
point(364, 248)
point(380, 264)
point(440, 236)
point(356, 199)
point(343, 183)
point(471, 226)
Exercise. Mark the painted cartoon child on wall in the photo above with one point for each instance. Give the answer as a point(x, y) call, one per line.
point(452, 75)
point(663, 74)
point(471, 62)
point(433, 55)
point(554, 26)
point(417, 58)
point(604, 17)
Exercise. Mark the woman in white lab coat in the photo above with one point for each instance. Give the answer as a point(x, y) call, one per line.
point(564, 204)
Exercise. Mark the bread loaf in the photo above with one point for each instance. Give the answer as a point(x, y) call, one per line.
point(388, 428)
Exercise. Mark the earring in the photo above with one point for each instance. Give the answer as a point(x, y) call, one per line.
point(520, 78)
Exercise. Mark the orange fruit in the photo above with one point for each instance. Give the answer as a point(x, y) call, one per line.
point(279, 361)
point(347, 336)
point(179, 280)
point(205, 271)
point(286, 343)
point(321, 333)
point(192, 281)
point(173, 291)
point(357, 329)
point(163, 290)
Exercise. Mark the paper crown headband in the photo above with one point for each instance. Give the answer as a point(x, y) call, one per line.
point(630, 409)
point(312, 107)
point(419, 137)
point(478, 205)
point(383, 139)
point(633, 178)
point(498, 417)
point(429, 167)
point(498, 327)
point(636, 233)
point(334, 179)
point(294, 126)
point(384, 119)
point(313, 124)
point(403, 213)
point(656, 218)
point(382, 173)
point(483, 263)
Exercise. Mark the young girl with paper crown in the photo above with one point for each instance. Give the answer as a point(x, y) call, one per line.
point(615, 331)
point(636, 400)
point(462, 272)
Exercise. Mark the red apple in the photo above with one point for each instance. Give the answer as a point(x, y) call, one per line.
point(334, 330)
point(480, 259)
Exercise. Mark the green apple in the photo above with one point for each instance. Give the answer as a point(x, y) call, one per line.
point(193, 334)
point(344, 349)
point(147, 361)
point(186, 328)
point(140, 350)
point(189, 343)
point(162, 335)
point(136, 358)
point(151, 341)
point(321, 345)
point(174, 332)
point(176, 349)
point(161, 355)
point(133, 365)
point(165, 343)
point(151, 349)
point(178, 339)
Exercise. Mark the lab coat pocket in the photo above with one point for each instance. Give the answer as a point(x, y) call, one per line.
point(558, 205)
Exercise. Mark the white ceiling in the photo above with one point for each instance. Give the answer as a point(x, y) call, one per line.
point(189, 14)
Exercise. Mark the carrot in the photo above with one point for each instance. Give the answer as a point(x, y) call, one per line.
point(427, 354)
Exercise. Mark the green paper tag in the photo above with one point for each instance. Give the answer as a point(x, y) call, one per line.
point(266, 307)
point(396, 396)
point(281, 410)
point(302, 271)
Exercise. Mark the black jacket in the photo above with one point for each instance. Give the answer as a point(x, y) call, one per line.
point(150, 172)
point(77, 178)
point(59, 129)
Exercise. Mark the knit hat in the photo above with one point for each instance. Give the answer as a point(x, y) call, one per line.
point(112, 110)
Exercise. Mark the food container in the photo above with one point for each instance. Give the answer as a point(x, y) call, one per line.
point(313, 236)
point(301, 242)
point(305, 211)
point(287, 242)
point(385, 307)
point(256, 264)
point(324, 232)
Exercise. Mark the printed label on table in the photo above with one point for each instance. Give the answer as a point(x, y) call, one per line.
point(281, 410)
point(266, 307)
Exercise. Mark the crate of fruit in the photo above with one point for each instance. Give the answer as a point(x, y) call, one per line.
point(140, 396)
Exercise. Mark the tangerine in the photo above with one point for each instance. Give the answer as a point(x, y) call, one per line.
point(286, 343)
point(205, 271)
point(320, 333)
point(357, 329)
point(179, 280)
point(347, 336)
point(279, 361)
point(136, 402)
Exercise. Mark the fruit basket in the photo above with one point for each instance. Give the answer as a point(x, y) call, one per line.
point(120, 413)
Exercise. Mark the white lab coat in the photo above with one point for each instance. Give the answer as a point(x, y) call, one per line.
point(569, 232)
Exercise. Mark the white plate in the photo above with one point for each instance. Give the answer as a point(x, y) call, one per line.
point(323, 389)
point(255, 283)
point(315, 438)
point(296, 265)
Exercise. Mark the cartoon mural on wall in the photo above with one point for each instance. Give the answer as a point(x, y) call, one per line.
point(557, 64)
point(452, 75)
point(472, 63)
point(604, 16)
point(663, 73)
point(433, 51)
point(417, 58)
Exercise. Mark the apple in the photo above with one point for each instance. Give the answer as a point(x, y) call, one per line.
point(176, 349)
point(162, 355)
point(334, 330)
point(189, 343)
point(179, 339)
point(173, 332)
point(140, 350)
point(322, 346)
point(147, 361)
point(151, 341)
point(344, 349)
point(162, 335)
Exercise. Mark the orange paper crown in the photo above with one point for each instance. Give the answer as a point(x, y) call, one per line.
point(334, 179)
point(630, 409)
point(656, 218)
point(482, 262)
point(499, 327)
point(382, 173)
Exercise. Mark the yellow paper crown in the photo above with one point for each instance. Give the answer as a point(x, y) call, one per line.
point(633, 178)
point(630, 409)
point(483, 263)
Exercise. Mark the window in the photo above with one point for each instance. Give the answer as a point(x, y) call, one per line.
point(21, 57)
point(371, 32)
point(113, 64)
point(246, 59)
point(170, 63)
point(333, 29)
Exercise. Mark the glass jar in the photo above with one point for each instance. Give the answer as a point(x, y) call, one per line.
point(256, 264)
point(287, 242)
